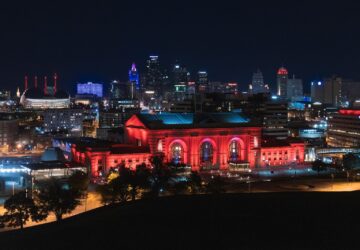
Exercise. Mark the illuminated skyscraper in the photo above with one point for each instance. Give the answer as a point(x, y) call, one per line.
point(202, 81)
point(257, 83)
point(282, 82)
point(134, 83)
point(180, 75)
point(153, 72)
point(294, 88)
point(134, 76)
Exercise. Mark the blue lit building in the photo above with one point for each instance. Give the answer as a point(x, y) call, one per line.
point(90, 88)
point(134, 76)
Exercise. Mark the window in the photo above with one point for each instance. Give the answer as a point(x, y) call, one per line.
point(159, 146)
point(176, 153)
point(206, 152)
point(234, 151)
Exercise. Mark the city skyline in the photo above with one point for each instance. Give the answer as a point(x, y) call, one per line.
point(90, 42)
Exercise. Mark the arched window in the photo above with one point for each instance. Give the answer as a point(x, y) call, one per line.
point(206, 152)
point(177, 153)
point(234, 151)
point(159, 146)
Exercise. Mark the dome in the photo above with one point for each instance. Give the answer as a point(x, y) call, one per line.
point(282, 71)
point(60, 94)
point(34, 93)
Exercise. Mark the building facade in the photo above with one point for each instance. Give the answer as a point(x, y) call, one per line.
point(9, 129)
point(70, 120)
point(90, 88)
point(282, 82)
point(257, 83)
point(344, 129)
point(213, 140)
point(294, 88)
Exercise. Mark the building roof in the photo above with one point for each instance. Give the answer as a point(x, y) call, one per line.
point(38, 93)
point(53, 154)
point(96, 145)
point(191, 120)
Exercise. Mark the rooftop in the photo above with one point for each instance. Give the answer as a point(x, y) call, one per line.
point(85, 143)
point(173, 120)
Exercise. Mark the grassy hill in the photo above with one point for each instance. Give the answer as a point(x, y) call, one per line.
point(230, 221)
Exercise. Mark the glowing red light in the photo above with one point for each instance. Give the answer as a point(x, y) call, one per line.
point(282, 71)
point(349, 112)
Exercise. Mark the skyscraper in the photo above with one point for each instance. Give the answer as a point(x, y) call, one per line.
point(180, 75)
point(134, 76)
point(202, 81)
point(317, 91)
point(332, 91)
point(282, 81)
point(153, 72)
point(118, 90)
point(294, 88)
point(134, 83)
point(257, 83)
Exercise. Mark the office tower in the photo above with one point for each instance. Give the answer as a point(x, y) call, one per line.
point(202, 81)
point(134, 82)
point(275, 119)
point(64, 120)
point(332, 91)
point(180, 75)
point(257, 83)
point(282, 81)
point(317, 91)
point(294, 88)
point(9, 129)
point(118, 90)
point(154, 75)
point(344, 128)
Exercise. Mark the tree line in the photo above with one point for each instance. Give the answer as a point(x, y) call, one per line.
point(60, 197)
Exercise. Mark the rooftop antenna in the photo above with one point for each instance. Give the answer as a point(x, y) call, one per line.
point(36, 81)
point(55, 82)
point(45, 85)
point(26, 83)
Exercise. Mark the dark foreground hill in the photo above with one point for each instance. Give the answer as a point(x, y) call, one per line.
point(231, 221)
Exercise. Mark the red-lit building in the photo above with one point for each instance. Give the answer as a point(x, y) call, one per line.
point(203, 141)
point(210, 140)
point(99, 155)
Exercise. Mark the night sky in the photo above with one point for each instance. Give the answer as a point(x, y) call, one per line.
point(98, 40)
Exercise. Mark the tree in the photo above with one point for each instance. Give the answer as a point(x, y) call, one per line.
point(139, 179)
point(351, 161)
point(319, 166)
point(160, 175)
point(195, 182)
point(79, 181)
point(19, 210)
point(117, 190)
point(58, 197)
point(216, 185)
